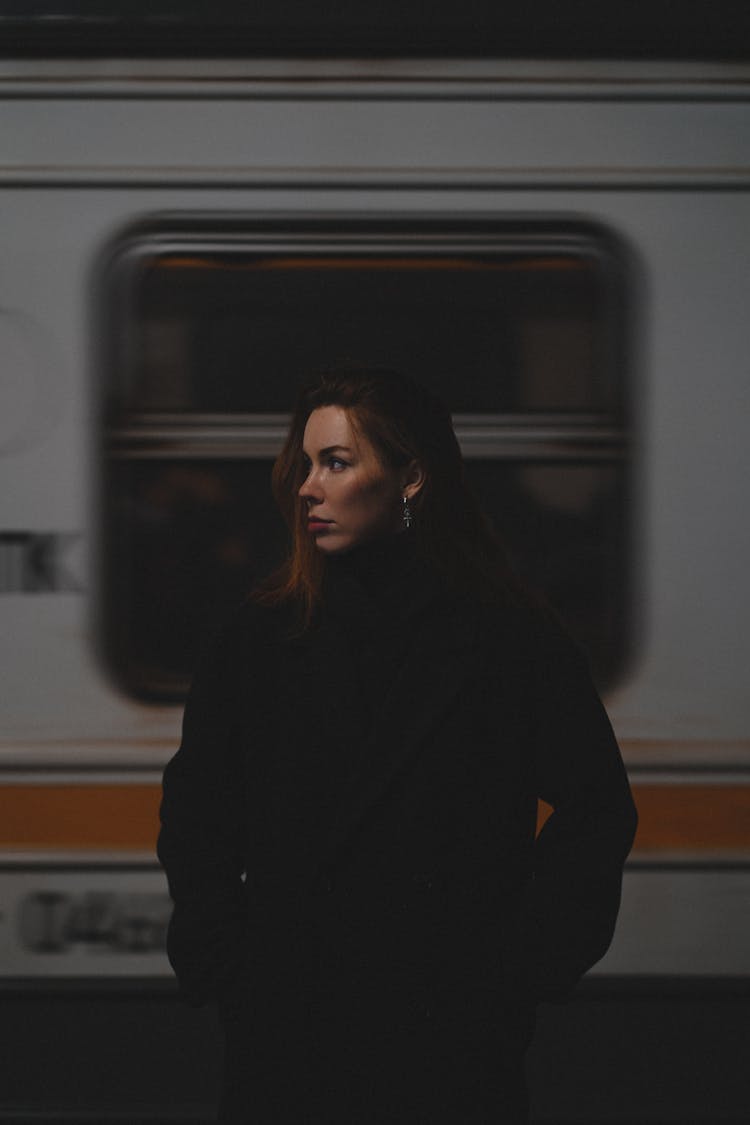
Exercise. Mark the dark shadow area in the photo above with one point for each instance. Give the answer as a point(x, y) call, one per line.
point(129, 1051)
point(479, 28)
point(653, 1051)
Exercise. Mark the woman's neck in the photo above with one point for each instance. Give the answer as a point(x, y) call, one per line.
point(379, 563)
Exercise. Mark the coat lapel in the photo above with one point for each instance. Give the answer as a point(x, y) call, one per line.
point(319, 661)
point(440, 661)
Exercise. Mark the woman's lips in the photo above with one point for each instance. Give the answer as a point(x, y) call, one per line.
point(314, 524)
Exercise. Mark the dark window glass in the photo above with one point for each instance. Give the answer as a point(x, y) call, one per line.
point(565, 531)
point(187, 540)
point(217, 332)
point(209, 331)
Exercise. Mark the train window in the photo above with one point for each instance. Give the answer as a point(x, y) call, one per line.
point(520, 327)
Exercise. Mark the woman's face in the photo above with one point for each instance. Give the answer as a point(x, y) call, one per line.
point(349, 494)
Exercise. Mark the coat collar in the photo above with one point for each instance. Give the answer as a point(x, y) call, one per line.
point(439, 632)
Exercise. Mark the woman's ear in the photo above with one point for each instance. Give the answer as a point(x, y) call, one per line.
point(412, 480)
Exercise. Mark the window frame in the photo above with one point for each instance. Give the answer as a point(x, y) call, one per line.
point(533, 437)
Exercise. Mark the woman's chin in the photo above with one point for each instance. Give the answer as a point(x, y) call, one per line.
point(329, 543)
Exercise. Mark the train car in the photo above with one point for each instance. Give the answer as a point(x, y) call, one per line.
point(559, 246)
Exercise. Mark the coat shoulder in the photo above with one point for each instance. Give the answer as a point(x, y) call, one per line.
point(527, 635)
point(238, 647)
point(251, 627)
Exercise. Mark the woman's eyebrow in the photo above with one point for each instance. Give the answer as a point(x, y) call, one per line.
point(332, 449)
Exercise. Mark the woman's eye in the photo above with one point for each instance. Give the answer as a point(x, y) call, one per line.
point(336, 464)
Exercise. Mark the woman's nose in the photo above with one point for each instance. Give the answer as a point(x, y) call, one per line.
point(308, 489)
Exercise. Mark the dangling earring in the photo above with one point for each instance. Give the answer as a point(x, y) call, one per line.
point(407, 513)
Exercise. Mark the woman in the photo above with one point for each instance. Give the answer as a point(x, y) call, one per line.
point(348, 826)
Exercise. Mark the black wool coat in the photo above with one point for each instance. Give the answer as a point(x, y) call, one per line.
point(348, 831)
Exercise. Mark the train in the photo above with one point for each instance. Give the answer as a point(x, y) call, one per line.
point(559, 247)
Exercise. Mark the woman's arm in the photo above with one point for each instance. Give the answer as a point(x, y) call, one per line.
point(571, 904)
point(200, 843)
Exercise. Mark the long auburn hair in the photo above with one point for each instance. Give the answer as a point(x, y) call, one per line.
point(405, 422)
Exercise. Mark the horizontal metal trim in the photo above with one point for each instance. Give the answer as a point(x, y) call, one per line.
point(82, 776)
point(675, 759)
point(567, 420)
point(690, 776)
point(132, 989)
point(653, 763)
point(405, 179)
point(384, 88)
point(400, 235)
point(155, 72)
point(78, 860)
point(518, 451)
point(85, 859)
point(624, 987)
point(46, 773)
point(687, 862)
point(496, 437)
